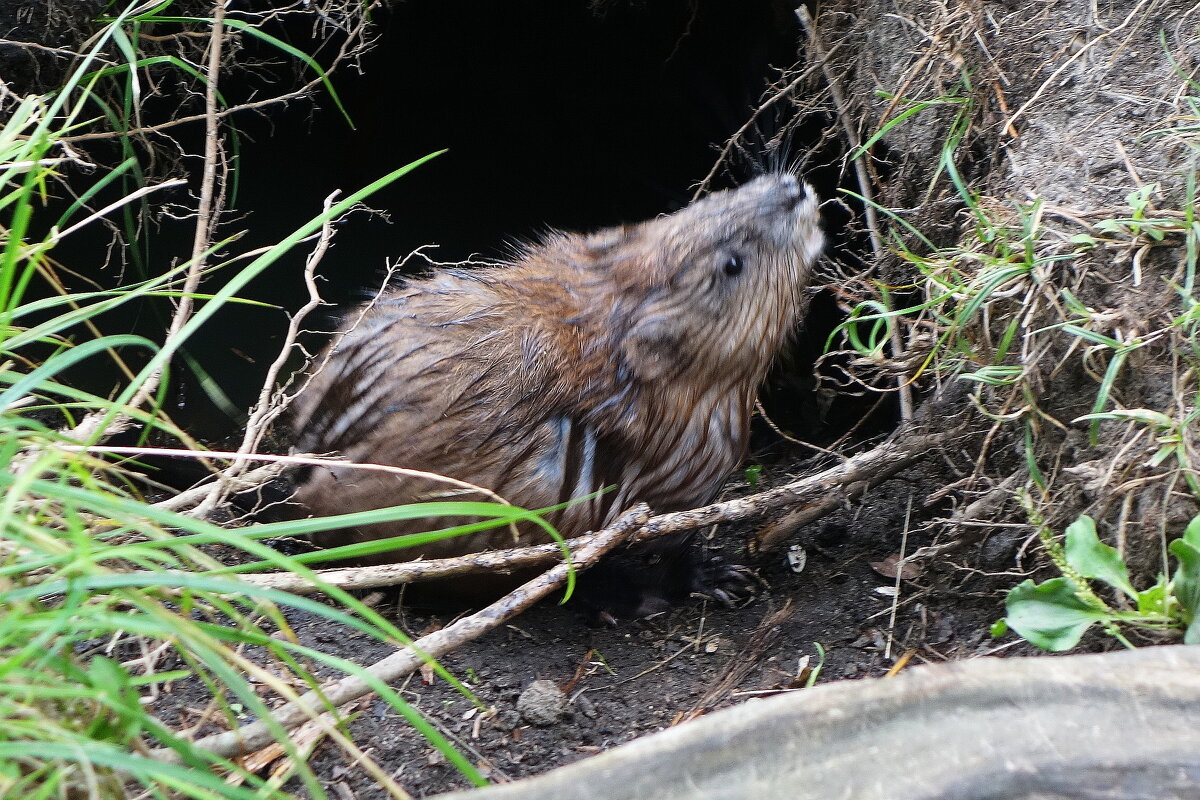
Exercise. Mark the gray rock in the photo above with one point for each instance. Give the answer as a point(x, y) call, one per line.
point(1096, 727)
point(507, 720)
point(542, 704)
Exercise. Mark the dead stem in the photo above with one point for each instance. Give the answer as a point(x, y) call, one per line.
point(299, 460)
point(249, 738)
point(812, 497)
point(864, 187)
point(271, 400)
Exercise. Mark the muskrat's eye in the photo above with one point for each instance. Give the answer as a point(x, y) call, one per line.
point(733, 267)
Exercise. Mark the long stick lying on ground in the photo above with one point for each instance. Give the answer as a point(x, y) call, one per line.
point(812, 497)
point(493, 562)
point(249, 738)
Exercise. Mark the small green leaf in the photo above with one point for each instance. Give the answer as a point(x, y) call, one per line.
point(999, 628)
point(1139, 198)
point(1154, 599)
point(1049, 614)
point(1186, 581)
point(1092, 558)
point(1092, 336)
point(1145, 416)
point(1162, 455)
point(753, 473)
point(1191, 533)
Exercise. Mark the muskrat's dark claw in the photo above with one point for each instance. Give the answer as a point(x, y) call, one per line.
point(603, 618)
point(738, 574)
point(720, 595)
point(728, 584)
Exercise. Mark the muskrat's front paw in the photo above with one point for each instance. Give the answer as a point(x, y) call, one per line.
point(728, 584)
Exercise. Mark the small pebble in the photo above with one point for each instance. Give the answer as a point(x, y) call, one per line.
point(585, 706)
point(542, 704)
point(507, 720)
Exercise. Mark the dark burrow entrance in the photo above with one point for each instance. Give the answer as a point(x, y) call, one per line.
point(574, 116)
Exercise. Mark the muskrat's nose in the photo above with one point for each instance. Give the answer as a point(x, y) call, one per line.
point(792, 190)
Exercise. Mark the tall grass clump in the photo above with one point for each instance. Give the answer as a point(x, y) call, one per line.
point(1075, 334)
point(118, 621)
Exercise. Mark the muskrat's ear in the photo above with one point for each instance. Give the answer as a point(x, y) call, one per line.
point(652, 350)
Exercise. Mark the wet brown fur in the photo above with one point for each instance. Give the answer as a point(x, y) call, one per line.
point(628, 358)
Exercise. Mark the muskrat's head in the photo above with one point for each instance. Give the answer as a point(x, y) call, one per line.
point(716, 288)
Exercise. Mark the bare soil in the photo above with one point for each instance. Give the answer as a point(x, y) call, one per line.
point(646, 675)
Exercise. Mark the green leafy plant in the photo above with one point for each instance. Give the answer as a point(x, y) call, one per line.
point(1017, 305)
point(1139, 223)
point(753, 474)
point(1056, 613)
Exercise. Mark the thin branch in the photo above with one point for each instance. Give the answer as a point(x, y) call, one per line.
point(265, 411)
point(209, 210)
point(491, 562)
point(864, 185)
point(249, 738)
point(302, 460)
point(190, 498)
point(816, 495)
point(271, 401)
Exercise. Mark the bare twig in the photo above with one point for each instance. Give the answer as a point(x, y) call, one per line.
point(209, 209)
point(312, 461)
point(271, 400)
point(58, 51)
point(189, 498)
point(265, 411)
point(762, 414)
point(492, 562)
point(864, 186)
point(310, 705)
point(816, 496)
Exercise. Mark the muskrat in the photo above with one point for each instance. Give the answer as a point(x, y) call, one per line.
point(628, 358)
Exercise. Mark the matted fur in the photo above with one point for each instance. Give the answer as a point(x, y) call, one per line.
point(627, 358)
